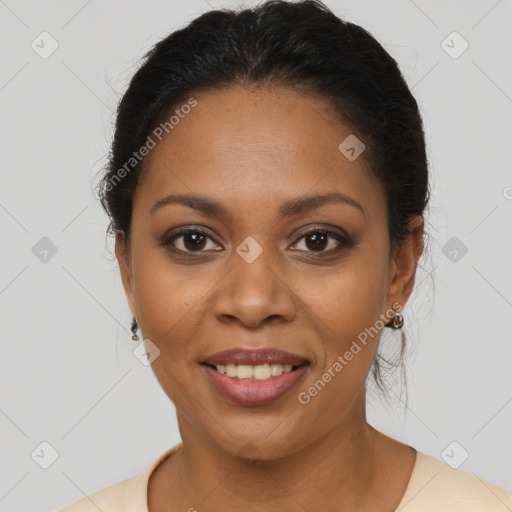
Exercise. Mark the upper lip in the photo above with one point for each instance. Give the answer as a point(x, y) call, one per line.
point(254, 357)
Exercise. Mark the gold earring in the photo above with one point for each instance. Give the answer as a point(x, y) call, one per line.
point(398, 321)
point(134, 329)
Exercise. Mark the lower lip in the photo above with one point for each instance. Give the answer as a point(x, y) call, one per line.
point(254, 392)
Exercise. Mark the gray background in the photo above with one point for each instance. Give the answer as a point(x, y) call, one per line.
point(67, 372)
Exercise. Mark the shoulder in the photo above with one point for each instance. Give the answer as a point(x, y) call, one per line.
point(129, 495)
point(438, 486)
point(112, 498)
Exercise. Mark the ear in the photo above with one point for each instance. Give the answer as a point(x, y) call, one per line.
point(126, 272)
point(404, 262)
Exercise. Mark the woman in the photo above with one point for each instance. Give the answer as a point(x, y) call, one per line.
point(266, 188)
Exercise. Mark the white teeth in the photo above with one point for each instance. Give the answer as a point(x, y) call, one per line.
point(244, 371)
point(262, 372)
point(276, 370)
point(257, 372)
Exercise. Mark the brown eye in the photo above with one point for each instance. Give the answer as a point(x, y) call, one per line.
point(323, 241)
point(191, 240)
point(194, 241)
point(317, 241)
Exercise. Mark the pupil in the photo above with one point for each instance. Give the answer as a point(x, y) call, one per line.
point(196, 238)
point(318, 239)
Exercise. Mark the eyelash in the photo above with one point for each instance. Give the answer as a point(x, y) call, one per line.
point(343, 240)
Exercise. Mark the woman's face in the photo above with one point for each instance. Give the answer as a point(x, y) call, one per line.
point(258, 164)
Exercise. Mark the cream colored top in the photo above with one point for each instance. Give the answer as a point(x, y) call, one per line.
point(434, 486)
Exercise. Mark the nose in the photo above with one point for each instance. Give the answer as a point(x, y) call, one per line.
point(254, 293)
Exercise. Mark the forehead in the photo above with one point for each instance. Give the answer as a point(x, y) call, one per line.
point(252, 143)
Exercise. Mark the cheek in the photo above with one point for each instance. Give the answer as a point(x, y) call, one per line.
point(161, 297)
point(351, 298)
point(171, 311)
point(347, 307)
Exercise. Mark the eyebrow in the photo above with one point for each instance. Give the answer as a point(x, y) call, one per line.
point(287, 209)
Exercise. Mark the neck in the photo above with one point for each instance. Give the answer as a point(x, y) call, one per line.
point(338, 465)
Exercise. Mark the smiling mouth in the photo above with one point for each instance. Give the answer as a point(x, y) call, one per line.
point(255, 384)
point(254, 377)
point(260, 372)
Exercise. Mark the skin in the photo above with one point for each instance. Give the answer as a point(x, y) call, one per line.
point(253, 150)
